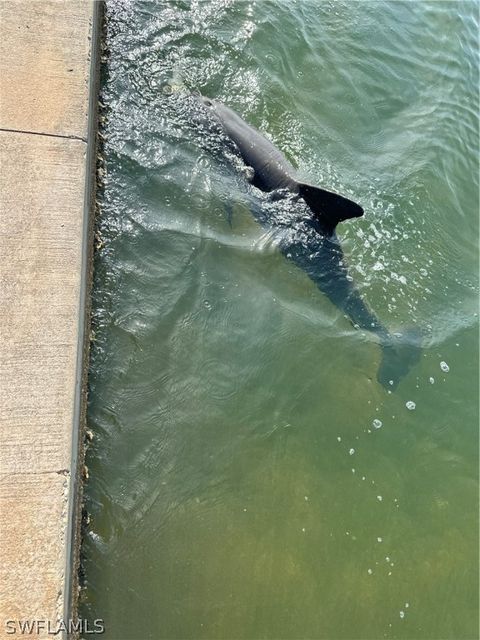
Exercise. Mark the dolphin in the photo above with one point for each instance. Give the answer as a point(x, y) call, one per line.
point(310, 241)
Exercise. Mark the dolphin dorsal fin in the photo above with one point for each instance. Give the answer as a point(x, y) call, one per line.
point(329, 208)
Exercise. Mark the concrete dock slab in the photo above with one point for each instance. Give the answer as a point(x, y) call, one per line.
point(47, 120)
point(45, 66)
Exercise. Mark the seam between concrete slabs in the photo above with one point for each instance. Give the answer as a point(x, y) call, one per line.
point(42, 133)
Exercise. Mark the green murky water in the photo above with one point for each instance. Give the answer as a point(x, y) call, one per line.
point(239, 487)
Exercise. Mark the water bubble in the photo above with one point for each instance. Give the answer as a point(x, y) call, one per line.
point(377, 423)
point(410, 404)
point(444, 366)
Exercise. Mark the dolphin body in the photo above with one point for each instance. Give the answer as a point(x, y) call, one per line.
point(311, 242)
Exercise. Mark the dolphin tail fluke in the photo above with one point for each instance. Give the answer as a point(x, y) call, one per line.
point(399, 354)
point(329, 208)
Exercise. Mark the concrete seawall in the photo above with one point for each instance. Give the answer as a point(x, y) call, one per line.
point(48, 93)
